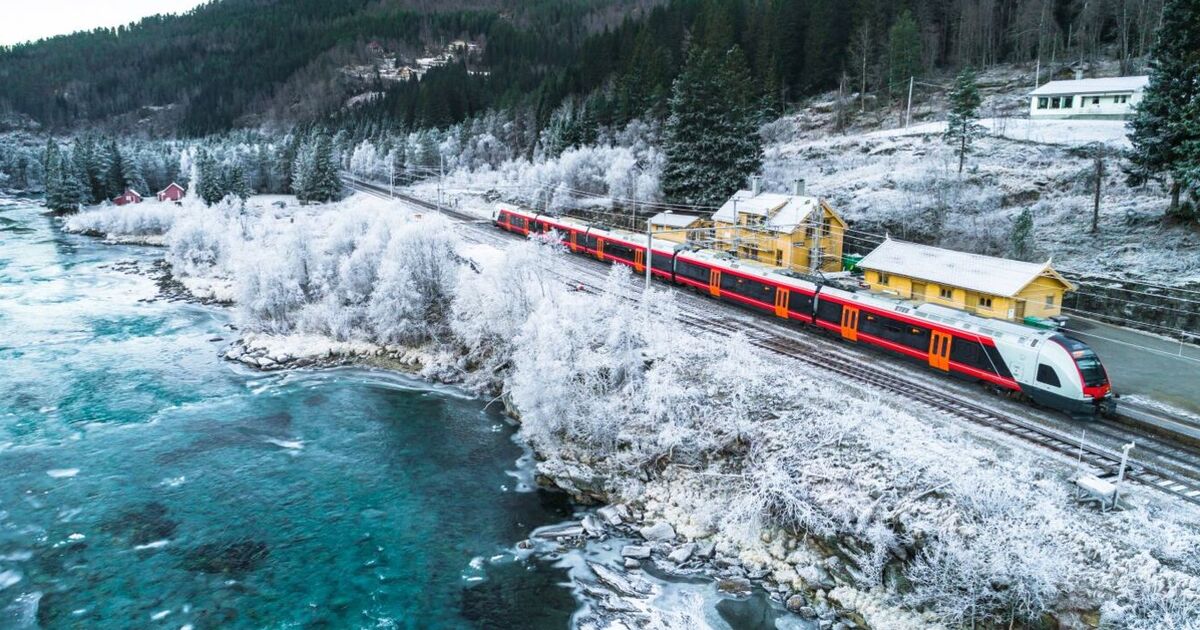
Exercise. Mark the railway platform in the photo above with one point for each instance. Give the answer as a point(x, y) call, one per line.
point(1146, 368)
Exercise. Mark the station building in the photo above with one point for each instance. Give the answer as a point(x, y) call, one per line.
point(678, 227)
point(983, 285)
point(784, 230)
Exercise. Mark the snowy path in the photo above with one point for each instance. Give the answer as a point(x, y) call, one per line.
point(1062, 132)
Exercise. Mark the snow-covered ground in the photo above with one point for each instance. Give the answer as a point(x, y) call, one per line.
point(891, 513)
point(1061, 132)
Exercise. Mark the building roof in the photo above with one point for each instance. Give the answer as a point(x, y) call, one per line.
point(1093, 86)
point(783, 213)
point(973, 272)
point(671, 219)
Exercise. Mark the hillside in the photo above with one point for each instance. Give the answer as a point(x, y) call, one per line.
point(232, 62)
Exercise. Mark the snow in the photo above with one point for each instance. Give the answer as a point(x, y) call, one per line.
point(994, 276)
point(782, 213)
point(1057, 131)
point(725, 443)
point(1093, 86)
point(673, 220)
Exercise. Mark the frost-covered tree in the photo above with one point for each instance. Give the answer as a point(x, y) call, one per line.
point(63, 191)
point(317, 175)
point(711, 138)
point(1165, 130)
point(962, 128)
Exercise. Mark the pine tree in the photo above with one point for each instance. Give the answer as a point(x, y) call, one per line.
point(115, 178)
point(1021, 237)
point(210, 188)
point(1165, 130)
point(904, 52)
point(961, 126)
point(235, 182)
point(62, 190)
point(711, 139)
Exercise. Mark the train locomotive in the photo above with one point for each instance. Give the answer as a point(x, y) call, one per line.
point(1041, 365)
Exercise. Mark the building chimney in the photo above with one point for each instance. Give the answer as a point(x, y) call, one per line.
point(755, 185)
point(1078, 74)
point(798, 187)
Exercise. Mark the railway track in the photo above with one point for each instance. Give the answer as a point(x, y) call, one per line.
point(1171, 474)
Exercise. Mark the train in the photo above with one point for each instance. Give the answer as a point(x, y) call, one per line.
point(1043, 366)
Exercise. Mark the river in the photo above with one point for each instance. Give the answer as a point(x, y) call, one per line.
point(147, 483)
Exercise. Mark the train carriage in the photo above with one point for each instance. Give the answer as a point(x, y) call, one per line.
point(1044, 366)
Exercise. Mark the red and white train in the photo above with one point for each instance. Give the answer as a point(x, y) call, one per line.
point(1042, 365)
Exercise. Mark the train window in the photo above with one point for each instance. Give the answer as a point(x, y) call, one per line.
point(619, 251)
point(1047, 375)
point(662, 262)
point(730, 282)
point(692, 271)
point(800, 303)
point(829, 312)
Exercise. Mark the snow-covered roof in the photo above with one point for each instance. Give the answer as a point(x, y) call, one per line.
point(783, 213)
point(671, 219)
point(973, 272)
point(1093, 86)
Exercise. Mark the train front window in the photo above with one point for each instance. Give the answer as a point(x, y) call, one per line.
point(1089, 366)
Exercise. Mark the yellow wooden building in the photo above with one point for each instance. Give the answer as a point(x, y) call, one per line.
point(780, 230)
point(677, 227)
point(983, 285)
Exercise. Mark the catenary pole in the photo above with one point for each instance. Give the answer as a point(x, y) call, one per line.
point(908, 114)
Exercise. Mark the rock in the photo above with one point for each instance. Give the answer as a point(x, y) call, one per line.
point(706, 550)
point(640, 552)
point(682, 554)
point(569, 530)
point(795, 603)
point(807, 612)
point(631, 563)
point(735, 586)
point(525, 544)
point(591, 525)
point(660, 531)
point(610, 514)
point(627, 585)
point(840, 626)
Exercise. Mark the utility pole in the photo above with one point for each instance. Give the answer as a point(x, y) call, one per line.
point(441, 177)
point(1096, 199)
point(908, 114)
point(649, 256)
point(392, 175)
point(1121, 474)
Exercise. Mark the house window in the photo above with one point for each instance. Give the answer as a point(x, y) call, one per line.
point(885, 278)
point(1067, 101)
point(1055, 103)
point(947, 294)
point(1049, 301)
point(985, 302)
point(1043, 102)
point(1122, 98)
point(1095, 100)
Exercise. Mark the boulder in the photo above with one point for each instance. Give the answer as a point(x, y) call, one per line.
point(631, 564)
point(591, 525)
point(660, 531)
point(682, 554)
point(705, 550)
point(610, 514)
point(554, 532)
point(735, 586)
point(640, 552)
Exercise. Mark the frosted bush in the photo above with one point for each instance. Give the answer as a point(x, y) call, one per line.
point(141, 219)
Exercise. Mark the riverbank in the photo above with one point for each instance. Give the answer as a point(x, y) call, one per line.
point(892, 518)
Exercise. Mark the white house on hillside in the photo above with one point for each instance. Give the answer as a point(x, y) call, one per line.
point(1087, 98)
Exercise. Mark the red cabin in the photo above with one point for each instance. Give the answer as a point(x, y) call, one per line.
point(174, 192)
point(129, 196)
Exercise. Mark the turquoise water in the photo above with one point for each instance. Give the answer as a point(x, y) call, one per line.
point(145, 483)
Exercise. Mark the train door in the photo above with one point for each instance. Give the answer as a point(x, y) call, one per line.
point(939, 350)
point(572, 244)
point(600, 249)
point(639, 260)
point(849, 323)
point(781, 302)
point(714, 282)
